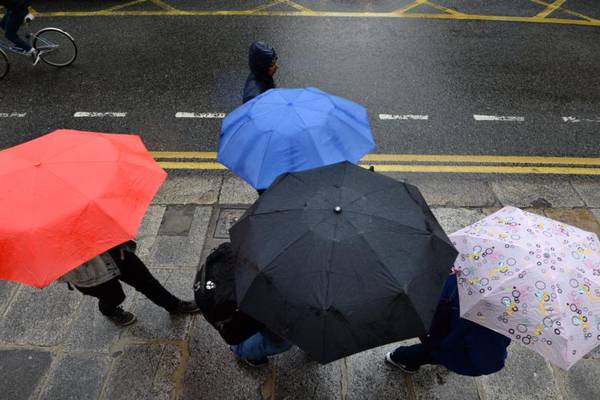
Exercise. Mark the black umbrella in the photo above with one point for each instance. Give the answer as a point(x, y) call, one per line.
point(340, 259)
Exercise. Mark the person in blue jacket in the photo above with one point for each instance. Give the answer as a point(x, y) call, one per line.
point(462, 346)
point(262, 60)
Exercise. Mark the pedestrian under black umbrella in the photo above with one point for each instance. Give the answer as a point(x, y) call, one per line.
point(340, 259)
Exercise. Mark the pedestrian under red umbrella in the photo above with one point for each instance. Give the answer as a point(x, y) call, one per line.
point(100, 276)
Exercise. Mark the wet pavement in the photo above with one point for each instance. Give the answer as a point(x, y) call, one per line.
point(54, 344)
point(153, 66)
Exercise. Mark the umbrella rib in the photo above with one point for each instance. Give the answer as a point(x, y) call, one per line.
point(391, 185)
point(351, 116)
point(264, 157)
point(370, 248)
point(10, 154)
point(329, 262)
point(412, 228)
point(75, 145)
point(86, 197)
point(267, 265)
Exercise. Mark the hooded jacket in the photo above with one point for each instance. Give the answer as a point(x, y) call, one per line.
point(99, 269)
point(460, 345)
point(260, 57)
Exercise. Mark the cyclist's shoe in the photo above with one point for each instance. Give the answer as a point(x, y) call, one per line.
point(35, 54)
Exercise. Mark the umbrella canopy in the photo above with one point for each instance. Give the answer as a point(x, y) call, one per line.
point(340, 259)
point(288, 130)
point(69, 196)
point(534, 280)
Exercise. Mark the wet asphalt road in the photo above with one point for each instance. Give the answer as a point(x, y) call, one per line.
point(153, 67)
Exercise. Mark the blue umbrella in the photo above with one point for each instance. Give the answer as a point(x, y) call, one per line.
point(290, 130)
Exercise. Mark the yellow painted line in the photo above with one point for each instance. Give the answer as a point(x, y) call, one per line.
point(299, 7)
point(191, 165)
point(472, 169)
point(184, 154)
point(268, 5)
point(444, 9)
point(551, 8)
point(162, 5)
point(335, 14)
point(486, 169)
point(567, 11)
point(121, 6)
point(409, 7)
point(480, 159)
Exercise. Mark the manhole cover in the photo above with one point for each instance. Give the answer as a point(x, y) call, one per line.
point(227, 218)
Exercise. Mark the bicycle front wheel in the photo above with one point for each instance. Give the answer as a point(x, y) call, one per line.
point(56, 47)
point(4, 65)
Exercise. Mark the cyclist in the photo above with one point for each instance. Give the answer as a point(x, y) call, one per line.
point(16, 12)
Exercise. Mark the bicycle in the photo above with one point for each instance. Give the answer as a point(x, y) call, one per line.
point(55, 46)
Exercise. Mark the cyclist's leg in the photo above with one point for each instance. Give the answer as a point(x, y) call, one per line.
point(13, 22)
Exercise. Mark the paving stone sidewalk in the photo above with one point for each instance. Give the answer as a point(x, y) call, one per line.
point(54, 344)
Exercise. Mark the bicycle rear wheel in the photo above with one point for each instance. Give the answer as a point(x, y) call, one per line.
point(56, 47)
point(4, 65)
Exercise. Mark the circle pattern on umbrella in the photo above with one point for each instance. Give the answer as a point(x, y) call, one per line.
point(533, 279)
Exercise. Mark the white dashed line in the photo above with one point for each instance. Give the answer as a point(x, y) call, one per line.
point(200, 115)
point(575, 120)
point(12, 115)
point(403, 117)
point(86, 114)
point(503, 118)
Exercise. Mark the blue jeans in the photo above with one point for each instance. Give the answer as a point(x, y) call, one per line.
point(11, 22)
point(259, 346)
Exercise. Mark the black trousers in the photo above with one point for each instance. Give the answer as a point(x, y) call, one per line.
point(133, 272)
point(11, 22)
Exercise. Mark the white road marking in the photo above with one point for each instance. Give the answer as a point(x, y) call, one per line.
point(403, 117)
point(86, 114)
point(200, 115)
point(574, 119)
point(12, 115)
point(503, 118)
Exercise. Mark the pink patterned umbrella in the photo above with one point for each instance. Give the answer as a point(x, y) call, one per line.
point(533, 279)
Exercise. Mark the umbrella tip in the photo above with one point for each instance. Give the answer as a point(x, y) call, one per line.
point(337, 209)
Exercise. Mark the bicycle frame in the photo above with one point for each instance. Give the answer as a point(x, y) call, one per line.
point(47, 47)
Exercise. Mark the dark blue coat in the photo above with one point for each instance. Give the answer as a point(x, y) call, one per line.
point(460, 345)
point(261, 56)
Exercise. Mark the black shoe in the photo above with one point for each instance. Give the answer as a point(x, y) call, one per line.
point(402, 367)
point(186, 307)
point(253, 363)
point(122, 318)
point(256, 363)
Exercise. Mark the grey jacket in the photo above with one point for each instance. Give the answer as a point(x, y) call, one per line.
point(99, 269)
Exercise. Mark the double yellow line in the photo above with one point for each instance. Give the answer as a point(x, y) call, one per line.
point(298, 10)
point(477, 164)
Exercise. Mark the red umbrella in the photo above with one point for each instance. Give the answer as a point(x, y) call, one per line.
point(69, 196)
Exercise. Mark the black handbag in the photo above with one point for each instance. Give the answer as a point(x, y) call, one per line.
point(214, 292)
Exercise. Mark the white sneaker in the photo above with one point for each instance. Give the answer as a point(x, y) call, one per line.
point(402, 367)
